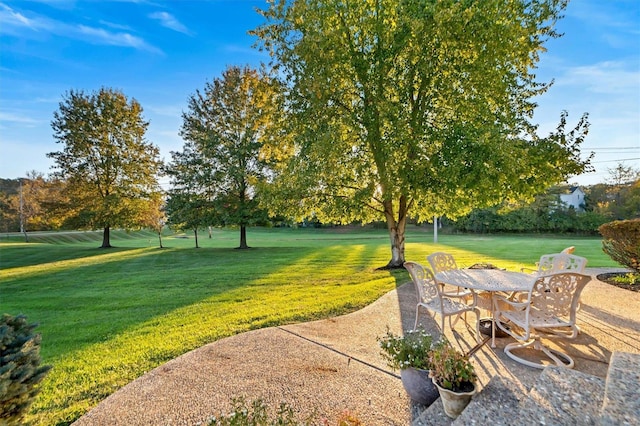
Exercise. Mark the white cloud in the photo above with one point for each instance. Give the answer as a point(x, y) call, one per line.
point(604, 77)
point(166, 110)
point(102, 36)
point(15, 23)
point(115, 26)
point(11, 21)
point(169, 21)
point(17, 118)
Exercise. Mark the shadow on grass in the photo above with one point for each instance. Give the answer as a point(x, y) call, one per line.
point(108, 319)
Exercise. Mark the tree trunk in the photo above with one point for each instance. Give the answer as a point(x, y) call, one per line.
point(396, 232)
point(243, 237)
point(106, 242)
point(160, 238)
point(396, 235)
point(195, 232)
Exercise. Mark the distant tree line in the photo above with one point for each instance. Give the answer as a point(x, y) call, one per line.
point(618, 199)
point(545, 215)
point(605, 202)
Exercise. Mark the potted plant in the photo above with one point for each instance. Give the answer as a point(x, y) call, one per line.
point(410, 354)
point(454, 376)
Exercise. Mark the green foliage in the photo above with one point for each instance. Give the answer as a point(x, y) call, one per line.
point(256, 415)
point(110, 170)
point(615, 201)
point(20, 369)
point(216, 177)
point(622, 242)
point(529, 219)
point(451, 369)
point(410, 350)
point(410, 109)
point(630, 279)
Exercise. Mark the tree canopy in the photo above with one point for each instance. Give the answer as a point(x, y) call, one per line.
point(109, 168)
point(217, 175)
point(414, 108)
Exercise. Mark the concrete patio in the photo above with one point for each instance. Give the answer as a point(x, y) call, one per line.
point(322, 368)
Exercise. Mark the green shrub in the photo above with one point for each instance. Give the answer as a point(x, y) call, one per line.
point(451, 369)
point(622, 242)
point(20, 369)
point(256, 415)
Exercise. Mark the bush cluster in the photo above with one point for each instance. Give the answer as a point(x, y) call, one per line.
point(622, 242)
point(529, 220)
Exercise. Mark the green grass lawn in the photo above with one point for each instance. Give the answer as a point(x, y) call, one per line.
point(109, 316)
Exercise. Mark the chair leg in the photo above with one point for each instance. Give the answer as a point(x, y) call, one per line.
point(415, 325)
point(559, 358)
point(478, 336)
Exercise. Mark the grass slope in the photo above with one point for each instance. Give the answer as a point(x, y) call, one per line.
point(109, 316)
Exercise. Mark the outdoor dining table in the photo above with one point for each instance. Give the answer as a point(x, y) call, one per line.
point(491, 280)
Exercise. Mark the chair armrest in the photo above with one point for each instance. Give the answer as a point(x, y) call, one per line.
point(462, 292)
point(510, 302)
point(461, 295)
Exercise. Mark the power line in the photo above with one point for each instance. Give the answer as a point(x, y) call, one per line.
point(616, 161)
point(609, 148)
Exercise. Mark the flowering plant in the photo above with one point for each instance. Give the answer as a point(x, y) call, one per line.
point(410, 350)
point(451, 369)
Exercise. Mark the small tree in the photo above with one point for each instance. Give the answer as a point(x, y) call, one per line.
point(20, 369)
point(188, 203)
point(622, 242)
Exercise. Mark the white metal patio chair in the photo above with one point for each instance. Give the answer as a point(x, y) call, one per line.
point(433, 299)
point(559, 262)
point(548, 311)
point(441, 261)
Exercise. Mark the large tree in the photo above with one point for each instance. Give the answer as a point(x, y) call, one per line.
point(414, 107)
point(110, 169)
point(224, 129)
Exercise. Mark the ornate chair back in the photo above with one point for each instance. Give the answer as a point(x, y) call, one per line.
point(560, 262)
point(441, 261)
point(426, 287)
point(555, 298)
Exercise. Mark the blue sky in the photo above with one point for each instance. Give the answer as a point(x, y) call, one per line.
point(161, 52)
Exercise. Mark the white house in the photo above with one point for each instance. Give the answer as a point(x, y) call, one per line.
point(573, 198)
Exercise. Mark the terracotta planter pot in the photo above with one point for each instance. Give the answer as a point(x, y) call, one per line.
point(419, 386)
point(454, 403)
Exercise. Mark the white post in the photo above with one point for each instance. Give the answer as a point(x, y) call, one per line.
point(435, 228)
point(21, 209)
